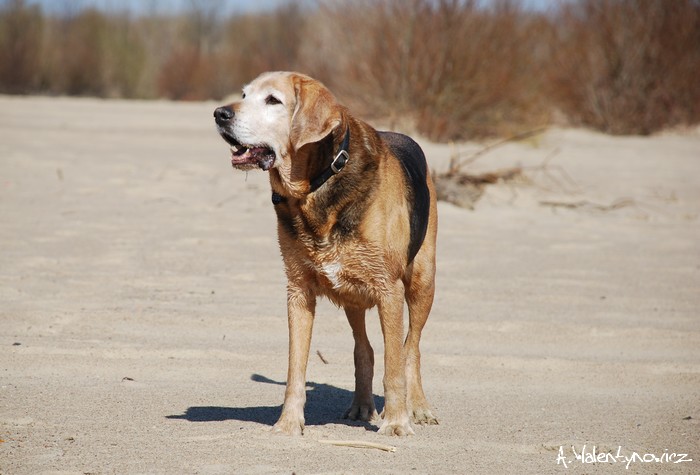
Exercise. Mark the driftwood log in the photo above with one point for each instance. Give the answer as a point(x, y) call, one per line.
point(464, 189)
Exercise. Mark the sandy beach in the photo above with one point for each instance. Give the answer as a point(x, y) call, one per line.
point(143, 307)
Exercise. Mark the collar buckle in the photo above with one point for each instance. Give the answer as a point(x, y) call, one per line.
point(339, 161)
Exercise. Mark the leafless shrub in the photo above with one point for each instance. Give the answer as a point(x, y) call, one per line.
point(450, 69)
point(263, 42)
point(178, 75)
point(216, 58)
point(90, 53)
point(627, 66)
point(124, 58)
point(456, 69)
point(194, 68)
point(21, 32)
point(76, 63)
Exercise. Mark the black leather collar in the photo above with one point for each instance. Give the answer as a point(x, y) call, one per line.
point(341, 158)
point(336, 165)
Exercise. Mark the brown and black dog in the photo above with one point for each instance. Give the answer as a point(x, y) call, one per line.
point(357, 223)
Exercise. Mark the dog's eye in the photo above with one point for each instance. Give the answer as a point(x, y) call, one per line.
point(272, 100)
point(243, 95)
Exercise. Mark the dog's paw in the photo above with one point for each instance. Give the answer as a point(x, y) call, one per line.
point(361, 412)
point(423, 416)
point(400, 428)
point(289, 426)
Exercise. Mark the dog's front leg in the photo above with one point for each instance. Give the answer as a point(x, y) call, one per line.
point(300, 311)
point(396, 421)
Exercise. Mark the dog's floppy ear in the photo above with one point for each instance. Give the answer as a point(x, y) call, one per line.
point(316, 113)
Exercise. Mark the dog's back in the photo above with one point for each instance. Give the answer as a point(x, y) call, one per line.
point(415, 169)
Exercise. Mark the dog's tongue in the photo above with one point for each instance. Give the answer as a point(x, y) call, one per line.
point(263, 156)
point(243, 157)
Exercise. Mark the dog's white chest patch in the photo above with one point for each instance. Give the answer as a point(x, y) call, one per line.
point(332, 271)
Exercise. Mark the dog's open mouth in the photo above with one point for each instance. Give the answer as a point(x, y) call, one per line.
point(247, 157)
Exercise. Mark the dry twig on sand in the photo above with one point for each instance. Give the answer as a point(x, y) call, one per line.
point(464, 189)
point(457, 163)
point(585, 204)
point(360, 444)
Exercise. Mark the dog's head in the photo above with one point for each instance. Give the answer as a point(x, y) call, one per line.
point(278, 114)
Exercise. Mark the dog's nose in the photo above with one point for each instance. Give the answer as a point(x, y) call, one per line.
point(223, 115)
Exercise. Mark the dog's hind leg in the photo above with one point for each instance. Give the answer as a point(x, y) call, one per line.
point(420, 291)
point(362, 407)
point(396, 419)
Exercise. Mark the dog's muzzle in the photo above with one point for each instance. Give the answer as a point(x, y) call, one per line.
point(243, 157)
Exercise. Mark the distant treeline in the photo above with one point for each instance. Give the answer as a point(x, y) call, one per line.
point(452, 69)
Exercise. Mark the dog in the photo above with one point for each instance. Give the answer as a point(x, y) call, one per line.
point(356, 223)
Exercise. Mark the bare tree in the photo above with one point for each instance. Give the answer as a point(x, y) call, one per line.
point(204, 23)
point(21, 30)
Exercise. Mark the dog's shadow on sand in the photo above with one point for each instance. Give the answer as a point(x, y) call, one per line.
point(325, 404)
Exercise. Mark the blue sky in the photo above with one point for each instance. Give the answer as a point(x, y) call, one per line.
point(230, 6)
point(162, 6)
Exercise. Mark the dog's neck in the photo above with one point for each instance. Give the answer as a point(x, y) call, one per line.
point(336, 166)
point(315, 164)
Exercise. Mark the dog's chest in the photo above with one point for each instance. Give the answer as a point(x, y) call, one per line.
point(347, 275)
point(326, 264)
point(334, 257)
point(333, 272)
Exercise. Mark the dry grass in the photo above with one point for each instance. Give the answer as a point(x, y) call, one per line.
point(450, 69)
point(627, 66)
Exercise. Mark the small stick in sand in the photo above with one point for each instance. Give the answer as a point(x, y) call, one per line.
point(360, 444)
point(325, 361)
